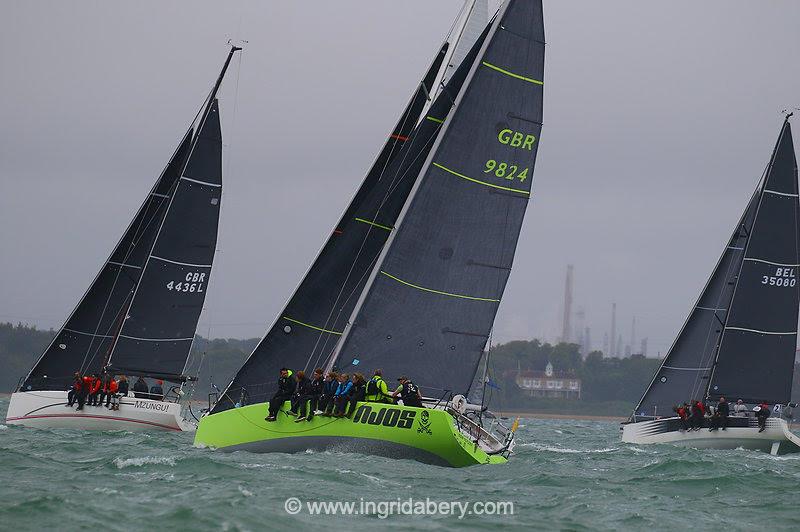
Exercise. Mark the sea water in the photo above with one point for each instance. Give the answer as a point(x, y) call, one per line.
point(564, 475)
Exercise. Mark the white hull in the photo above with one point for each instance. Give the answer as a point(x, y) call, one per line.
point(48, 409)
point(776, 438)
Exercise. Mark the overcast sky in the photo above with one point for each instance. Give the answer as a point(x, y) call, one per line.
point(659, 119)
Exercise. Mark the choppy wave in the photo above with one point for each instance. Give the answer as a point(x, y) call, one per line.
point(140, 461)
point(572, 475)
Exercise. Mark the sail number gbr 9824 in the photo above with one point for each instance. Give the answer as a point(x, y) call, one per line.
point(782, 277)
point(193, 282)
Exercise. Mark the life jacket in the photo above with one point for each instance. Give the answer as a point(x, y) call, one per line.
point(373, 386)
point(87, 384)
point(95, 385)
point(702, 408)
point(77, 384)
point(113, 386)
point(682, 413)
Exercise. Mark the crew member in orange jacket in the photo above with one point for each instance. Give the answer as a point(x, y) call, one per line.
point(94, 390)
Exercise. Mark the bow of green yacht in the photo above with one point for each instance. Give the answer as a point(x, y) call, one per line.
point(437, 435)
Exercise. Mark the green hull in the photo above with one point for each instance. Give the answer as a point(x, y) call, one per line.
point(426, 435)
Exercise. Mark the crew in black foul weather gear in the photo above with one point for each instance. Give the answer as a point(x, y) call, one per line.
point(285, 391)
point(408, 392)
point(357, 392)
point(302, 391)
point(140, 389)
point(720, 417)
point(761, 415)
point(377, 390)
point(317, 386)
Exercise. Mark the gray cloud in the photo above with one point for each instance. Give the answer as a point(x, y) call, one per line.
point(659, 118)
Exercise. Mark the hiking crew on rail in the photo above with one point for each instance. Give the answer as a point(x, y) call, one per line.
point(336, 394)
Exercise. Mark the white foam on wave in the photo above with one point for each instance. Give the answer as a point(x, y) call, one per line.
point(139, 461)
point(244, 491)
point(3, 427)
point(566, 450)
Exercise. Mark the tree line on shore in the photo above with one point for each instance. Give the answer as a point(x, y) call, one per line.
point(609, 386)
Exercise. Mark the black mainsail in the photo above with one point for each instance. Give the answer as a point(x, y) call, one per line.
point(158, 330)
point(756, 355)
point(434, 292)
point(307, 329)
point(731, 331)
point(164, 222)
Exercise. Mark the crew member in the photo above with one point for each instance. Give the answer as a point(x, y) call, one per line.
point(342, 394)
point(740, 409)
point(76, 392)
point(104, 388)
point(762, 414)
point(284, 393)
point(300, 397)
point(330, 385)
point(157, 391)
point(357, 392)
point(720, 417)
point(377, 390)
point(408, 392)
point(682, 415)
point(140, 389)
point(110, 390)
point(94, 389)
point(316, 388)
point(697, 415)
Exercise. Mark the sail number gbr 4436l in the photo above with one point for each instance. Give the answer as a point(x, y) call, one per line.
point(193, 282)
point(782, 277)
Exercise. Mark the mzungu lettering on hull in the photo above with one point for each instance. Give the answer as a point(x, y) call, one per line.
point(146, 405)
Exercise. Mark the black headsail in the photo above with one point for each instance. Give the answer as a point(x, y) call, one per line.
point(769, 228)
point(158, 330)
point(434, 293)
point(756, 356)
point(307, 329)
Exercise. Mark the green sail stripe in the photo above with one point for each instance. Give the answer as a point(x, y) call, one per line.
point(507, 73)
point(320, 329)
point(363, 221)
point(433, 119)
point(462, 176)
point(438, 291)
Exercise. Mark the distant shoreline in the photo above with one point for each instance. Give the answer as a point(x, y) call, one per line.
point(542, 415)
